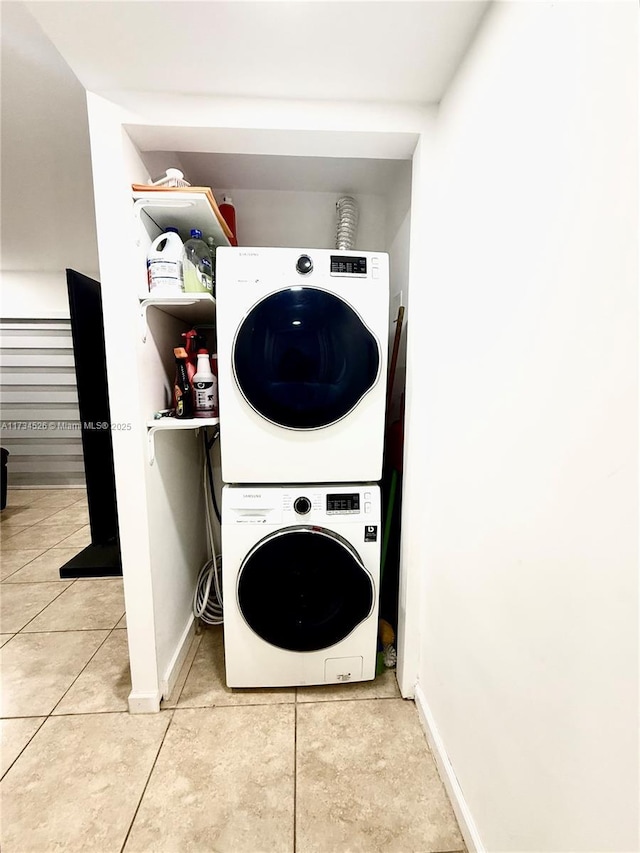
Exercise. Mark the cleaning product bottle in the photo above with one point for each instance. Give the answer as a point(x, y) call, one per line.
point(228, 212)
point(164, 264)
point(204, 387)
point(194, 342)
point(182, 392)
point(197, 265)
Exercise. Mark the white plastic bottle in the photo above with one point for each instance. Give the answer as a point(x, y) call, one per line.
point(198, 268)
point(205, 390)
point(164, 264)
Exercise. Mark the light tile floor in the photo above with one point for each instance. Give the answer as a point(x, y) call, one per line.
point(342, 769)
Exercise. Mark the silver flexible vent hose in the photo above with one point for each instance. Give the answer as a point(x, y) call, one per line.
point(347, 222)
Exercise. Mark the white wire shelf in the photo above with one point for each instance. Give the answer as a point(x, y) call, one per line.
point(174, 424)
point(197, 309)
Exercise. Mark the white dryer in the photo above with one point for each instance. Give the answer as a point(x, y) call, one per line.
point(300, 577)
point(302, 362)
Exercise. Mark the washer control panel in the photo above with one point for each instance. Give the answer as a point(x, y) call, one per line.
point(301, 504)
point(346, 504)
point(343, 503)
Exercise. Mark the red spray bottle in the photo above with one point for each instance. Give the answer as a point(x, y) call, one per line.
point(193, 342)
point(228, 212)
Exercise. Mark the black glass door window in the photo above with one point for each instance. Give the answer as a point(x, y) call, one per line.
point(304, 589)
point(303, 358)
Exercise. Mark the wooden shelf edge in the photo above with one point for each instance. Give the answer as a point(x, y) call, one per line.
point(155, 194)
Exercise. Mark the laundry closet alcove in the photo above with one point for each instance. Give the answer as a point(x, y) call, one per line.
point(285, 168)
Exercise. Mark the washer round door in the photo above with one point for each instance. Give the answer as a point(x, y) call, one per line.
point(304, 589)
point(303, 358)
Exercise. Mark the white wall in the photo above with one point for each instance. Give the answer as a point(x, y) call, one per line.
point(398, 245)
point(48, 219)
point(525, 379)
point(302, 219)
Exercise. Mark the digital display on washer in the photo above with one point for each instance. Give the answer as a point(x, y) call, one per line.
point(343, 503)
point(348, 266)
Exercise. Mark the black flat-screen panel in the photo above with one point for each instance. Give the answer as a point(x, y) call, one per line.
point(87, 331)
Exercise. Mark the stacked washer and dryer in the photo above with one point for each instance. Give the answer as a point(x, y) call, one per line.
point(302, 361)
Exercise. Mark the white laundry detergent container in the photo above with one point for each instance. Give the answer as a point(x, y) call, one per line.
point(164, 264)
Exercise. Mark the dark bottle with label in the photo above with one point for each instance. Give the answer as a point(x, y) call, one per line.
point(182, 394)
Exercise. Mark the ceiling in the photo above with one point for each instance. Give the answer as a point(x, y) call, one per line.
point(338, 50)
point(293, 174)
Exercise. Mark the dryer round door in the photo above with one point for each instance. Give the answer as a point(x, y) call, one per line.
point(304, 589)
point(303, 358)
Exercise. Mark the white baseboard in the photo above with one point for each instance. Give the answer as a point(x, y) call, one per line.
point(171, 673)
point(461, 809)
point(144, 703)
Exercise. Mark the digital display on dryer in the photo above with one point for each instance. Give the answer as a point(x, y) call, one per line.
point(341, 504)
point(341, 265)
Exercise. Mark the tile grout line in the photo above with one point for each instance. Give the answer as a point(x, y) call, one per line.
point(295, 774)
point(26, 564)
point(44, 553)
point(24, 583)
point(355, 699)
point(55, 597)
point(65, 630)
point(29, 527)
point(53, 512)
point(55, 545)
point(110, 632)
point(292, 702)
point(56, 511)
point(171, 712)
point(74, 714)
point(27, 743)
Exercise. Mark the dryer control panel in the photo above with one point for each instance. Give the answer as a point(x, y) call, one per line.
point(262, 269)
point(300, 504)
point(350, 265)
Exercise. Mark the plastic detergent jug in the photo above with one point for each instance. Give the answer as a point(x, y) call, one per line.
point(164, 264)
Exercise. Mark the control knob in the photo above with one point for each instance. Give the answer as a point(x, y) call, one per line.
point(304, 264)
point(302, 505)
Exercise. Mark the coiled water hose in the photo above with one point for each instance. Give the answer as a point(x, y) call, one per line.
point(347, 225)
point(207, 598)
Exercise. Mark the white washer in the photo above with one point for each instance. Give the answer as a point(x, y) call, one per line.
point(301, 577)
point(302, 362)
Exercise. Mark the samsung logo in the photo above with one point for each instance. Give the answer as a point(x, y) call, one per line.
point(252, 496)
point(248, 254)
